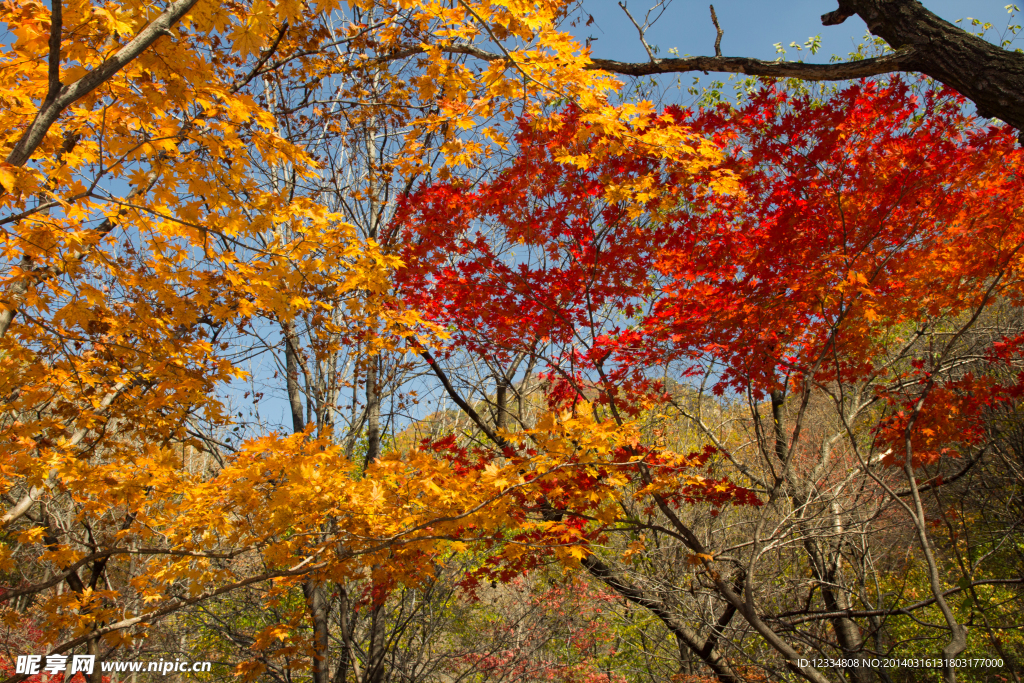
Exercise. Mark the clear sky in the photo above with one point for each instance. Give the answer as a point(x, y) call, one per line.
point(752, 27)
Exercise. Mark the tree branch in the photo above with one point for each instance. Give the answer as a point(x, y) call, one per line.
point(718, 38)
point(53, 59)
point(901, 60)
point(707, 652)
point(69, 94)
point(924, 43)
point(986, 74)
point(799, 618)
point(459, 401)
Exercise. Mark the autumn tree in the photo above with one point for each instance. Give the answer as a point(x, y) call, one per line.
point(867, 222)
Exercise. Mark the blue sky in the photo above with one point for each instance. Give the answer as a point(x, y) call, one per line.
point(752, 27)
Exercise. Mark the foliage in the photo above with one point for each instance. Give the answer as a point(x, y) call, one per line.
point(187, 188)
point(865, 221)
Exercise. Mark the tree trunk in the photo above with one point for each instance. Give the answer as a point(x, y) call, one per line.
point(97, 669)
point(847, 632)
point(316, 600)
point(375, 664)
point(372, 410)
point(317, 604)
point(347, 623)
point(291, 364)
point(501, 401)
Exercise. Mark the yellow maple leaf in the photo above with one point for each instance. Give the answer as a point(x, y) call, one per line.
point(246, 39)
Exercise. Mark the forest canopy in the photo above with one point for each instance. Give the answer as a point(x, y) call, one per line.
point(369, 341)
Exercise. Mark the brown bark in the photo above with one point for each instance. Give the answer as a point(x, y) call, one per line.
point(291, 364)
point(501, 401)
point(989, 76)
point(376, 665)
point(60, 97)
point(318, 606)
point(97, 670)
point(347, 626)
point(900, 61)
point(317, 603)
point(372, 410)
point(826, 572)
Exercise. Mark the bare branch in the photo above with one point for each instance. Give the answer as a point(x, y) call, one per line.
point(718, 38)
point(640, 30)
point(899, 61)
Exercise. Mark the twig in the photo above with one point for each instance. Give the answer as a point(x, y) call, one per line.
point(718, 39)
point(640, 30)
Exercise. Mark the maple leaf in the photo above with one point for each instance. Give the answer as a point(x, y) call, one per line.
point(247, 39)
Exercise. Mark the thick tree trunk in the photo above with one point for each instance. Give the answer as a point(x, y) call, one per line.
point(375, 664)
point(317, 603)
point(989, 76)
point(347, 624)
point(97, 669)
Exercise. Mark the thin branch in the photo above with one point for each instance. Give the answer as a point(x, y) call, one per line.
point(718, 39)
point(640, 30)
point(851, 613)
point(459, 401)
